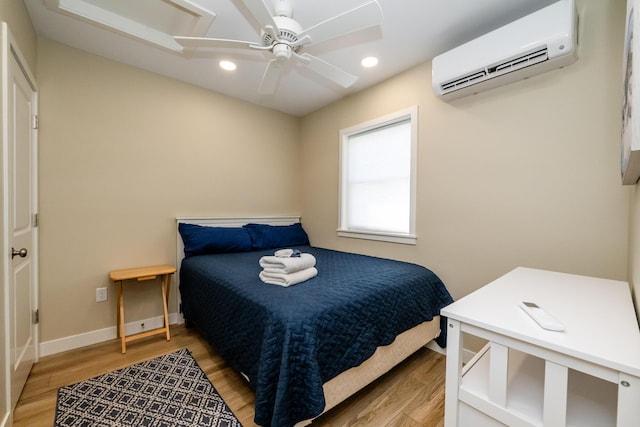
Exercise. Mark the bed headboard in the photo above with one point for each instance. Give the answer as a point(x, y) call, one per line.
point(222, 222)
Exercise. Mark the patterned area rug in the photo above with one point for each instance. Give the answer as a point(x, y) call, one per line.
point(170, 390)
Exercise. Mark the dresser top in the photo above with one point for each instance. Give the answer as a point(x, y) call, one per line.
point(598, 314)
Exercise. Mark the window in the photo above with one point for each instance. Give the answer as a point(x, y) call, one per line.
point(378, 178)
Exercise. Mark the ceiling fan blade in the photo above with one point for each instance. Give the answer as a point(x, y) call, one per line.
point(208, 42)
point(328, 71)
point(260, 12)
point(364, 16)
point(271, 78)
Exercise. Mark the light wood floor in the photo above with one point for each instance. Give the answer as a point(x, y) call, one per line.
point(411, 395)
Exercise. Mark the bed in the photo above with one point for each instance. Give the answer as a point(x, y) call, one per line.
point(307, 347)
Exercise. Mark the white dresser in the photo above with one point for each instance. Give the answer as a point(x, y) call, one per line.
point(587, 375)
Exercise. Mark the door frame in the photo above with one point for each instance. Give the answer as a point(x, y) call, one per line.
point(9, 47)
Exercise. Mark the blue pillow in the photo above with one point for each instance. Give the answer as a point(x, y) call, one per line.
point(213, 240)
point(276, 236)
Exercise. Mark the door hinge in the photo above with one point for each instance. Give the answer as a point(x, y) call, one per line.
point(36, 316)
point(36, 219)
point(34, 123)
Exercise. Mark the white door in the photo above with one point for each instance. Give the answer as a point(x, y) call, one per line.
point(21, 139)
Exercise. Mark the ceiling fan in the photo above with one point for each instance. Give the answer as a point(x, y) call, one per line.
point(284, 37)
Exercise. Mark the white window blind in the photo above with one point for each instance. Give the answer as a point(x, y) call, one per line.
point(378, 179)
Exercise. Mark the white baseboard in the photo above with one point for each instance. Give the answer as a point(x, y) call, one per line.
point(466, 353)
point(94, 337)
point(432, 345)
point(6, 420)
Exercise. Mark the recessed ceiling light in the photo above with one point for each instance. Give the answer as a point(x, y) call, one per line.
point(369, 61)
point(227, 65)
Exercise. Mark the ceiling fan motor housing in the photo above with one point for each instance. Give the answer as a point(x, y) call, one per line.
point(288, 31)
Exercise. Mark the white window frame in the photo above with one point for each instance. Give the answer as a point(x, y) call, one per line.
point(409, 238)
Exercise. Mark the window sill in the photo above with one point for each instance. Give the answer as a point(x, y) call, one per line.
point(405, 239)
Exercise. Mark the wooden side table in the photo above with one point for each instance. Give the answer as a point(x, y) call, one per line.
point(142, 274)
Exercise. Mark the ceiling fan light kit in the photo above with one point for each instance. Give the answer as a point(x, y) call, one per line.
point(284, 37)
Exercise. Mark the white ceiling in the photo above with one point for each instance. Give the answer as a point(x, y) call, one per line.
point(413, 31)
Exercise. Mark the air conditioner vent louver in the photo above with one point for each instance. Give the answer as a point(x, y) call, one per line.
point(522, 61)
point(536, 56)
point(544, 40)
point(463, 81)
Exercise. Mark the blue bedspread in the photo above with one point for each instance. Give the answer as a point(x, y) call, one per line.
point(290, 340)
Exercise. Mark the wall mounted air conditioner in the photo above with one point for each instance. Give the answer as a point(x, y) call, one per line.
point(537, 43)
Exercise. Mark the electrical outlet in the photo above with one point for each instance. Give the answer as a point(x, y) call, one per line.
point(101, 294)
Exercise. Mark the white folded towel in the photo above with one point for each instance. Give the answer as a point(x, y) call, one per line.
point(283, 279)
point(287, 253)
point(287, 265)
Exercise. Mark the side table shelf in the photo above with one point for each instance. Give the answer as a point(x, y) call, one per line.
point(142, 274)
point(590, 401)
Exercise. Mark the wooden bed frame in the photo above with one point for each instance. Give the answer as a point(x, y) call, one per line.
point(351, 381)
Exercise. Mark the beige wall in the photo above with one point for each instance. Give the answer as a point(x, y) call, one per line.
point(526, 174)
point(14, 13)
point(122, 153)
